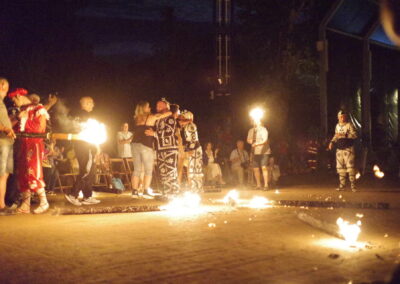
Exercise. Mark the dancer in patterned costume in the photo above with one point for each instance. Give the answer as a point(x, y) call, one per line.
point(32, 119)
point(345, 135)
point(193, 150)
point(167, 149)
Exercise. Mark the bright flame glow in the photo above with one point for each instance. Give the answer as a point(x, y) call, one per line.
point(358, 175)
point(259, 202)
point(257, 114)
point(187, 204)
point(232, 197)
point(93, 132)
point(349, 231)
point(378, 173)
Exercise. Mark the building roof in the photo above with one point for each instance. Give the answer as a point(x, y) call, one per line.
point(359, 18)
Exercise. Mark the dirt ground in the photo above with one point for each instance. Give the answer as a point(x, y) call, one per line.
point(220, 244)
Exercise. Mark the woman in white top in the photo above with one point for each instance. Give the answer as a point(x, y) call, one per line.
point(212, 169)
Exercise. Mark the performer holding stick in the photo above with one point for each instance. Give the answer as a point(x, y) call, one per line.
point(85, 154)
point(258, 139)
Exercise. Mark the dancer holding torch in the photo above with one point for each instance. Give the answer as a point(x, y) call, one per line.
point(260, 151)
point(345, 135)
point(85, 153)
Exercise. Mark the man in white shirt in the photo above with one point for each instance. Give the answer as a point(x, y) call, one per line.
point(124, 142)
point(239, 161)
point(260, 152)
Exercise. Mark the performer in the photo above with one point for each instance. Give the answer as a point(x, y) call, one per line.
point(85, 154)
point(167, 149)
point(32, 119)
point(193, 149)
point(258, 139)
point(7, 137)
point(345, 135)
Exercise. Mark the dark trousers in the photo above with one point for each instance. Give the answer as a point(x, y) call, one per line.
point(50, 177)
point(87, 171)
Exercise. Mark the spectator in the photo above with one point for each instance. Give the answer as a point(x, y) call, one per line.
point(274, 171)
point(239, 162)
point(212, 169)
point(124, 141)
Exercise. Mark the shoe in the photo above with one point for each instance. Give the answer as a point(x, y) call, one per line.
point(340, 188)
point(41, 209)
point(90, 201)
point(353, 189)
point(72, 199)
point(135, 194)
point(147, 194)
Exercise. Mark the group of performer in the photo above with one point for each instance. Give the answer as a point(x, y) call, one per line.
point(168, 134)
point(165, 132)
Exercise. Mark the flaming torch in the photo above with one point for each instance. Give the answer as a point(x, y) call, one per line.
point(257, 114)
point(92, 132)
point(378, 173)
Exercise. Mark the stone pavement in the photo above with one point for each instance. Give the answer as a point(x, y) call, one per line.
point(220, 244)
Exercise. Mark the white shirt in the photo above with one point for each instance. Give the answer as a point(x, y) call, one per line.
point(260, 137)
point(242, 157)
point(124, 150)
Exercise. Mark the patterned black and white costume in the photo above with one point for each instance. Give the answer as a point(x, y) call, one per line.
point(167, 154)
point(195, 156)
point(345, 155)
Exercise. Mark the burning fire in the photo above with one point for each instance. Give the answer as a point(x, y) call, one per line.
point(93, 132)
point(259, 202)
point(232, 197)
point(189, 203)
point(358, 175)
point(349, 231)
point(378, 173)
point(257, 114)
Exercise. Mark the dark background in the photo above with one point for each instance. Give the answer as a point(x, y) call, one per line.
point(120, 52)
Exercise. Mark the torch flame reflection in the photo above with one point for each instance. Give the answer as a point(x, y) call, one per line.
point(93, 132)
point(349, 231)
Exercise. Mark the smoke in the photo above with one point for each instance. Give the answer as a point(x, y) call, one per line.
point(64, 122)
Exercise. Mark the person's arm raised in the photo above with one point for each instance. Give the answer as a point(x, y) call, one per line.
point(153, 117)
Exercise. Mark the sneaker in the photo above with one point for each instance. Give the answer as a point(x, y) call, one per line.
point(353, 189)
point(135, 194)
point(90, 201)
point(42, 208)
point(73, 200)
point(147, 194)
point(340, 188)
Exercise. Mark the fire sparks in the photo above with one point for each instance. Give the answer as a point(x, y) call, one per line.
point(232, 197)
point(378, 173)
point(187, 204)
point(349, 231)
point(259, 202)
point(93, 132)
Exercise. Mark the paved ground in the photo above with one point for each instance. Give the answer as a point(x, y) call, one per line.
point(221, 244)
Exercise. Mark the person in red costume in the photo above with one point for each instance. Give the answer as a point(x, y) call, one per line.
point(31, 119)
